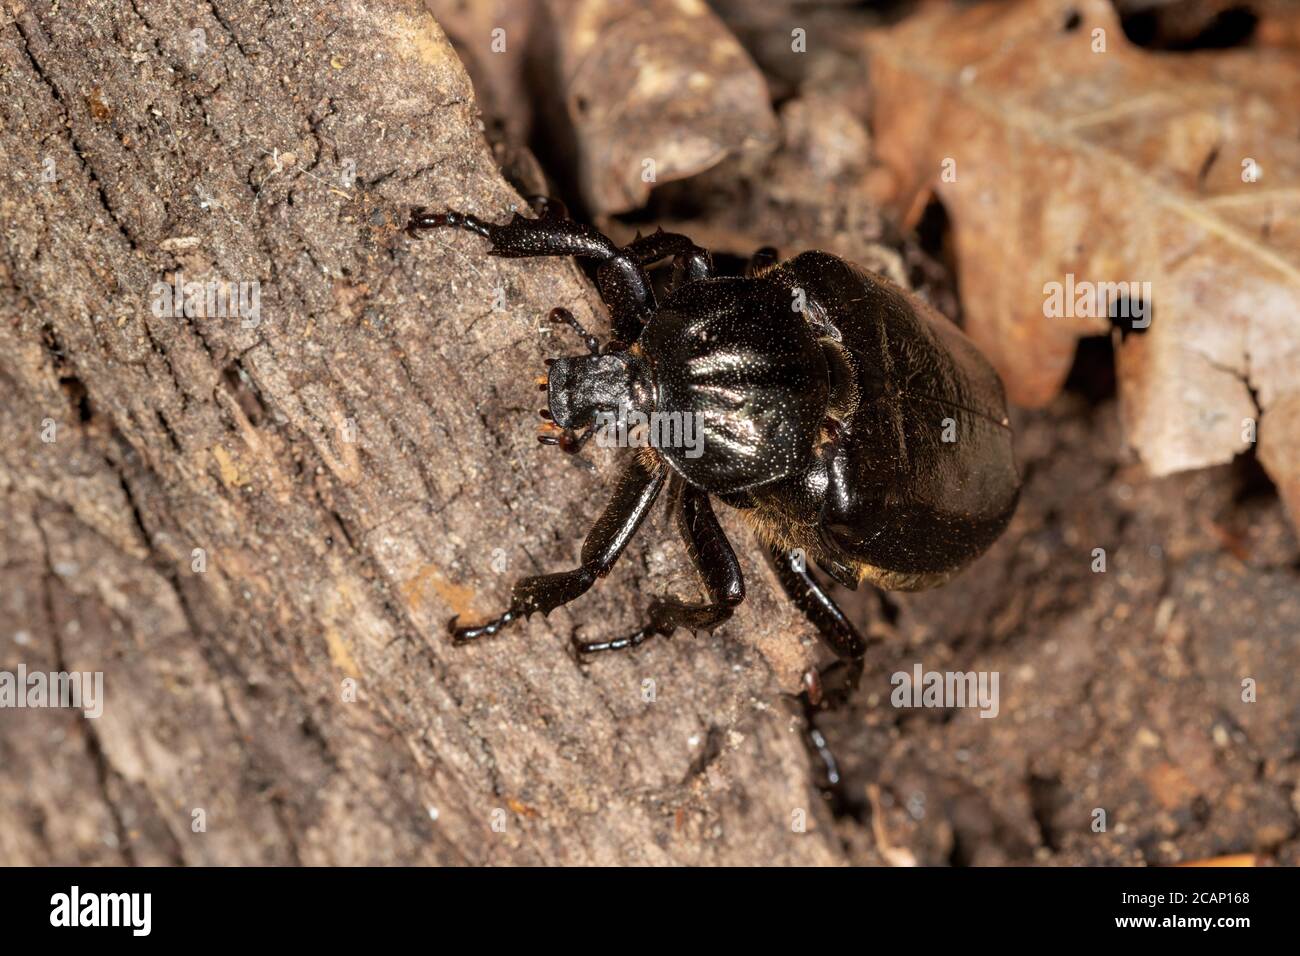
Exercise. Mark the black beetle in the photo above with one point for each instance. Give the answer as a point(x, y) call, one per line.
point(849, 422)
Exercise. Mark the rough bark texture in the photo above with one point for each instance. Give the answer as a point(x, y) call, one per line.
point(356, 467)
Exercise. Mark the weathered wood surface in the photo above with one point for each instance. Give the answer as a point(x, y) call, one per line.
point(356, 468)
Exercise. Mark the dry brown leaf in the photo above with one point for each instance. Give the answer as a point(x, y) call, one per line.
point(1278, 24)
point(1114, 165)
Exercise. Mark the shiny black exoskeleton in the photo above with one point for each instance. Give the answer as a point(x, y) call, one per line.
point(851, 424)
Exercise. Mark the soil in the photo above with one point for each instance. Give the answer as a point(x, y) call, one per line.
point(1122, 690)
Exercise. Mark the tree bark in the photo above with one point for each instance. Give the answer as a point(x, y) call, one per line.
point(239, 522)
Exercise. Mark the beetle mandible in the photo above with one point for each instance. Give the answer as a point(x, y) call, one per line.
point(852, 426)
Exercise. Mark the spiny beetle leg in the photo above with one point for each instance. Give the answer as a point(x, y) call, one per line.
point(522, 237)
point(690, 262)
point(463, 635)
point(543, 592)
point(714, 561)
point(622, 281)
point(636, 491)
point(829, 782)
point(666, 616)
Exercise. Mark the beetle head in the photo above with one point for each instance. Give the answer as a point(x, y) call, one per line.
point(580, 387)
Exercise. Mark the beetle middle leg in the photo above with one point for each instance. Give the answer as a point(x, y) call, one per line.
point(637, 489)
point(715, 561)
point(830, 687)
point(690, 262)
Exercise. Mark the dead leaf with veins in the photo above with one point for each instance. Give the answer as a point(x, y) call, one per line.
point(1064, 154)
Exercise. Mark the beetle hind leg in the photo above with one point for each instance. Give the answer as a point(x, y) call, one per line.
point(830, 687)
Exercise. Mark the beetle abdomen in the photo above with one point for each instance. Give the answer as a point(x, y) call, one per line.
point(923, 479)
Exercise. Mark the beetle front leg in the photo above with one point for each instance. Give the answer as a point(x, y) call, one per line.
point(714, 560)
point(636, 492)
point(622, 281)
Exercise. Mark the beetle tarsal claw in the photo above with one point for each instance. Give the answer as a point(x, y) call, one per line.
point(464, 635)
